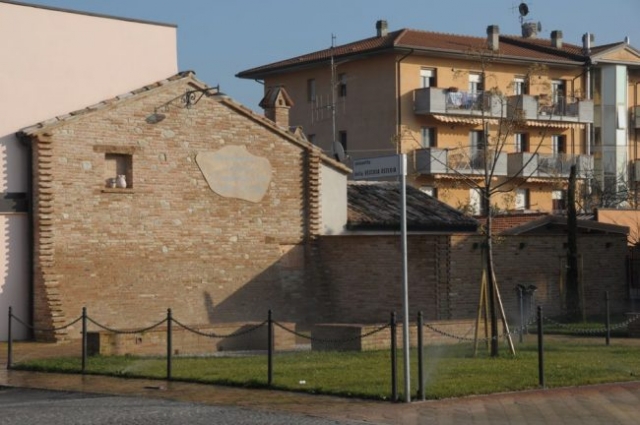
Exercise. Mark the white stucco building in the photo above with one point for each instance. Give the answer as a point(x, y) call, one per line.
point(53, 61)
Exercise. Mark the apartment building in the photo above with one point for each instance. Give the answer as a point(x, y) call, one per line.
point(522, 107)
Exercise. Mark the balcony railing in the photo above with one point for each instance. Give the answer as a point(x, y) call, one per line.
point(559, 165)
point(458, 161)
point(542, 107)
point(432, 100)
point(468, 161)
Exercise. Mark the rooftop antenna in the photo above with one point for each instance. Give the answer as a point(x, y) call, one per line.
point(523, 9)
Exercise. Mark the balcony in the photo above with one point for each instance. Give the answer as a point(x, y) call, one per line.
point(542, 107)
point(432, 100)
point(559, 165)
point(457, 161)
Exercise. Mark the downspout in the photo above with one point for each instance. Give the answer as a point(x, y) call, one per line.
point(27, 143)
point(635, 134)
point(399, 101)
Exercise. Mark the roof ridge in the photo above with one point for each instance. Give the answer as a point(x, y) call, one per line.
point(110, 101)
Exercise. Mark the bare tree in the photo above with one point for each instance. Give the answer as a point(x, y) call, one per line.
point(498, 131)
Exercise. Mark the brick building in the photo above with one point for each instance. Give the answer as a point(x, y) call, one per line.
point(174, 196)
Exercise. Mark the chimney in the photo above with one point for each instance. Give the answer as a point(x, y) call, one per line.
point(381, 28)
point(529, 30)
point(556, 39)
point(493, 37)
point(276, 104)
point(587, 40)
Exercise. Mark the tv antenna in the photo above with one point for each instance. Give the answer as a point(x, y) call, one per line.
point(523, 9)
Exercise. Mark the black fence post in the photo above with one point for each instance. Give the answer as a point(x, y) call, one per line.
point(270, 341)
point(608, 317)
point(169, 344)
point(394, 359)
point(521, 299)
point(421, 392)
point(9, 340)
point(84, 339)
point(540, 349)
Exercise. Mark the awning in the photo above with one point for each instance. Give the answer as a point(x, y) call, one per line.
point(456, 119)
point(554, 124)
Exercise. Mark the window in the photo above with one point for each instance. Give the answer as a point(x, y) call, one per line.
point(428, 137)
point(558, 144)
point(430, 190)
point(521, 142)
point(522, 199)
point(118, 170)
point(558, 201)
point(311, 90)
point(475, 201)
point(520, 86)
point(476, 140)
point(475, 83)
point(342, 85)
point(558, 90)
point(476, 152)
point(342, 137)
point(311, 138)
point(558, 96)
point(427, 77)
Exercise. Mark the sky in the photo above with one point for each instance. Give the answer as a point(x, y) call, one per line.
point(219, 38)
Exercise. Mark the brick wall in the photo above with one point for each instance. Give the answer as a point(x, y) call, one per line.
point(363, 275)
point(168, 241)
point(362, 279)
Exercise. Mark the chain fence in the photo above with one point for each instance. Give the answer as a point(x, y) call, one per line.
point(171, 338)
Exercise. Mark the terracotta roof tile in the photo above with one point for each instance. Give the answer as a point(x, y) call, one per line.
point(376, 206)
point(514, 47)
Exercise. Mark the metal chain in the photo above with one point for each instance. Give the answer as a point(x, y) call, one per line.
point(332, 341)
point(135, 331)
point(594, 331)
point(214, 335)
point(46, 329)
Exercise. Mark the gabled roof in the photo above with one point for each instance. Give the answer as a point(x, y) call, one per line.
point(184, 77)
point(621, 53)
point(375, 206)
point(558, 225)
point(510, 48)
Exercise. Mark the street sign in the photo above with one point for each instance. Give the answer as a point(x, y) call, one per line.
point(377, 168)
point(394, 166)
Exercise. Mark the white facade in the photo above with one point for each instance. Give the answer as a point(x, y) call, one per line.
point(333, 201)
point(54, 61)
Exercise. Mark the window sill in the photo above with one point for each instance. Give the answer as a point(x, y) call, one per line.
point(118, 190)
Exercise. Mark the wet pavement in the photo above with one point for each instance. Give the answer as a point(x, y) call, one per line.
point(596, 404)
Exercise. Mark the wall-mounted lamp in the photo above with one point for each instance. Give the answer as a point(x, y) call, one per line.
point(155, 118)
point(191, 97)
point(521, 245)
point(187, 100)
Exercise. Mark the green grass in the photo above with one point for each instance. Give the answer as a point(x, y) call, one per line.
point(451, 371)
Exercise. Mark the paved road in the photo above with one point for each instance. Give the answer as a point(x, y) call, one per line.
point(20, 406)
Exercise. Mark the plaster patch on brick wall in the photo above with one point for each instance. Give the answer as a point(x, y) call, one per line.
point(233, 172)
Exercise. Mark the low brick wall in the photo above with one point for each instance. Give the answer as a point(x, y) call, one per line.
point(349, 337)
point(154, 342)
point(633, 328)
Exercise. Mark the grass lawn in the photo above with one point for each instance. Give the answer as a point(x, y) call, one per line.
point(450, 370)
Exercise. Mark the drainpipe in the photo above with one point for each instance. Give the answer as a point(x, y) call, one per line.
point(399, 100)
point(635, 134)
point(27, 143)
